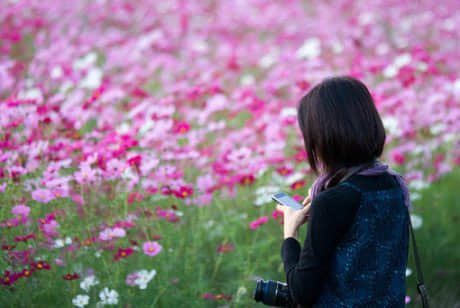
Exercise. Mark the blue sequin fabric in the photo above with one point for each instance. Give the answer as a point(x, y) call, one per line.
point(369, 265)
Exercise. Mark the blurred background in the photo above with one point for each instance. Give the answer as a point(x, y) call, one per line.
point(141, 140)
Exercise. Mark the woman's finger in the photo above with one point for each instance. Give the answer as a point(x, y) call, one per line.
point(279, 207)
point(306, 200)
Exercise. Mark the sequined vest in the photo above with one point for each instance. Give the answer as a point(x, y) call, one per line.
point(369, 265)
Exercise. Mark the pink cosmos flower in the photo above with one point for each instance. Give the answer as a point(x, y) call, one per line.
point(86, 175)
point(60, 193)
point(118, 232)
point(110, 233)
point(42, 195)
point(407, 299)
point(77, 199)
point(21, 210)
point(49, 228)
point(3, 187)
point(151, 248)
point(131, 279)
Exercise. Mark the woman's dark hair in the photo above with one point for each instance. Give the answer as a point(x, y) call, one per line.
point(340, 124)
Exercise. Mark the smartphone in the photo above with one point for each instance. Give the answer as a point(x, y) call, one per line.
point(286, 200)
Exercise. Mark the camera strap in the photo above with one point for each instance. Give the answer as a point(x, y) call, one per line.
point(421, 289)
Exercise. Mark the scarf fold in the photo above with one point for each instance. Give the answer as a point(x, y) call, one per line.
point(376, 168)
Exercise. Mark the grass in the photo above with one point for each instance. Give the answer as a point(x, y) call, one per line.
point(189, 265)
point(438, 242)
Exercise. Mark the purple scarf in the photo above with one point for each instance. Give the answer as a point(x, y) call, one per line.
point(375, 169)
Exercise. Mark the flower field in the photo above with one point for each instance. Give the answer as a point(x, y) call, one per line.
point(141, 140)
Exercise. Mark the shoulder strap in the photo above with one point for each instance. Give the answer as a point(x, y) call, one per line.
point(419, 275)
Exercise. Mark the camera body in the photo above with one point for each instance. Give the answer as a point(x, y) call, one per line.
point(272, 293)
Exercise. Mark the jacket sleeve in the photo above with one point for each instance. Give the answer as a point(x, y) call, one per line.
point(332, 213)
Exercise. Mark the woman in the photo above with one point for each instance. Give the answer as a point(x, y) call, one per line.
point(356, 249)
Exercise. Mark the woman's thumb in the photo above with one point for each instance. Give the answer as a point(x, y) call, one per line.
point(306, 200)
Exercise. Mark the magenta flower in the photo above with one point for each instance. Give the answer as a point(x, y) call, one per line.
point(42, 195)
point(253, 225)
point(397, 157)
point(151, 248)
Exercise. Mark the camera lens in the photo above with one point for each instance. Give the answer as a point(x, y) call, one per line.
point(271, 293)
point(258, 292)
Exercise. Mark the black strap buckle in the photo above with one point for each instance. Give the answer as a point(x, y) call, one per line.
point(422, 289)
point(423, 294)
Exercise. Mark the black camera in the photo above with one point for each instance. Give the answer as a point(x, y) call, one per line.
point(272, 293)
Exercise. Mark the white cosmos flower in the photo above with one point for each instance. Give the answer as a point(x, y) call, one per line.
point(392, 125)
point(268, 60)
point(437, 128)
point(288, 111)
point(415, 196)
point(85, 61)
point(80, 300)
point(366, 18)
point(408, 272)
point(310, 49)
point(247, 80)
point(144, 278)
point(418, 184)
point(337, 47)
point(240, 292)
point(68, 240)
point(56, 72)
point(108, 297)
point(58, 243)
point(88, 282)
point(401, 60)
point(33, 93)
point(93, 79)
point(416, 221)
point(294, 178)
point(264, 194)
point(456, 87)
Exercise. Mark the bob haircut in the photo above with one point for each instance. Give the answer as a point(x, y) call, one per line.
point(340, 125)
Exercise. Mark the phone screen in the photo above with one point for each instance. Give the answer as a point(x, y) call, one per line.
point(285, 199)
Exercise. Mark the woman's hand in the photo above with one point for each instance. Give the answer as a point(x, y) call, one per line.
point(293, 219)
